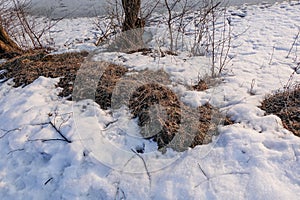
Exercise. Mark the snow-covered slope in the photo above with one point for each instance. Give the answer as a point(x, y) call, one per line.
point(255, 158)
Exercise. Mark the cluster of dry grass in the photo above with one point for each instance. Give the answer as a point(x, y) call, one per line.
point(28, 67)
point(286, 105)
point(158, 110)
point(161, 115)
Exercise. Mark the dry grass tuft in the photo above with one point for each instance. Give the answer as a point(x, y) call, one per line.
point(26, 68)
point(158, 110)
point(169, 122)
point(107, 83)
point(286, 105)
point(200, 86)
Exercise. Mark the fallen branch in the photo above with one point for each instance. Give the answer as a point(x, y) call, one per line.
point(208, 178)
point(57, 129)
point(109, 123)
point(8, 131)
point(60, 133)
point(47, 140)
point(145, 165)
point(48, 181)
point(15, 151)
point(120, 194)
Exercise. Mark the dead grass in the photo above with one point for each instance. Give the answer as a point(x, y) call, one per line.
point(286, 105)
point(205, 83)
point(161, 114)
point(107, 83)
point(26, 68)
point(157, 122)
point(200, 86)
point(171, 123)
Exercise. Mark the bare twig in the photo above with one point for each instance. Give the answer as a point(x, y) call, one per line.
point(16, 150)
point(289, 83)
point(148, 9)
point(271, 58)
point(145, 165)
point(47, 140)
point(216, 176)
point(53, 125)
point(107, 29)
point(120, 194)
point(8, 131)
point(207, 178)
point(59, 132)
point(109, 123)
point(28, 32)
point(50, 179)
point(295, 40)
point(295, 154)
point(251, 90)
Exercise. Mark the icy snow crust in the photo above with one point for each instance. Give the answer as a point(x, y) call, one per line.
point(256, 158)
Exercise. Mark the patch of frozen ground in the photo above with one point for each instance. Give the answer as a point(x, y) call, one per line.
point(253, 159)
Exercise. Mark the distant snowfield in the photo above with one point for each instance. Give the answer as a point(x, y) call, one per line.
point(255, 158)
point(89, 8)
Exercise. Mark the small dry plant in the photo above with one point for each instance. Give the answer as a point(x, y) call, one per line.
point(201, 28)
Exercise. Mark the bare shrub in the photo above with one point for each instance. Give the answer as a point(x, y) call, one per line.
point(200, 28)
point(27, 31)
point(110, 24)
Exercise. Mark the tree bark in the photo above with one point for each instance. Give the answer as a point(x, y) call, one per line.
point(133, 25)
point(8, 48)
point(132, 9)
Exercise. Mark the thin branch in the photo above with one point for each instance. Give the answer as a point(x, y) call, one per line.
point(53, 125)
point(272, 54)
point(295, 154)
point(13, 151)
point(50, 179)
point(207, 178)
point(109, 123)
point(120, 195)
point(145, 165)
point(60, 133)
point(8, 131)
point(151, 10)
point(225, 174)
point(295, 40)
point(47, 140)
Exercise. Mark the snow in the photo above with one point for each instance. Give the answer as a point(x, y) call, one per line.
point(90, 8)
point(255, 158)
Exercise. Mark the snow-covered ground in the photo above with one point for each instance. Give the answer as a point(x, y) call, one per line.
point(89, 8)
point(255, 158)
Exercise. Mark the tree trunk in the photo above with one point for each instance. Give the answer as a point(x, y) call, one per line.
point(8, 48)
point(133, 25)
point(132, 9)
